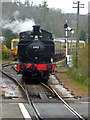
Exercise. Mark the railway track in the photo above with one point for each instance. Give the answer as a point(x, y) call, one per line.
point(68, 106)
point(9, 63)
point(25, 90)
point(53, 92)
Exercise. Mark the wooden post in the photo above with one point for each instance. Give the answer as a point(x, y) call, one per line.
point(77, 30)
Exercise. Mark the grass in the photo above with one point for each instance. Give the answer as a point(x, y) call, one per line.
point(5, 60)
point(80, 74)
point(80, 84)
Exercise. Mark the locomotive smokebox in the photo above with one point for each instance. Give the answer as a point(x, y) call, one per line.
point(36, 30)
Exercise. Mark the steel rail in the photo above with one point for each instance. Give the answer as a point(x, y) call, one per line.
point(8, 64)
point(37, 114)
point(69, 107)
point(14, 68)
point(11, 77)
point(5, 63)
point(47, 87)
point(66, 104)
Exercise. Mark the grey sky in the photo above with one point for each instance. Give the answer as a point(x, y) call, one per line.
point(64, 5)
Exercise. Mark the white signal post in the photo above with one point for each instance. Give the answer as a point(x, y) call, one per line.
point(66, 43)
point(67, 28)
point(66, 35)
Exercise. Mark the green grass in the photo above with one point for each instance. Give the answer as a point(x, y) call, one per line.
point(81, 86)
point(80, 81)
point(80, 74)
point(5, 60)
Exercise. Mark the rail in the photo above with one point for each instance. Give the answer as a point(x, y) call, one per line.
point(36, 113)
point(68, 106)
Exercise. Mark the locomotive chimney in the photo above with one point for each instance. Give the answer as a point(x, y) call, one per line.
point(36, 29)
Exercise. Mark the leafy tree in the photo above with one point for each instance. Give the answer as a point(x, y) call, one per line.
point(26, 3)
point(9, 35)
point(44, 14)
point(49, 19)
point(44, 5)
point(83, 35)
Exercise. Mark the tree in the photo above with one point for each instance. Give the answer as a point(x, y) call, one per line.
point(83, 35)
point(50, 19)
point(9, 35)
point(44, 5)
point(44, 13)
point(26, 3)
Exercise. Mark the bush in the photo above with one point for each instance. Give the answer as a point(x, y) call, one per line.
point(5, 54)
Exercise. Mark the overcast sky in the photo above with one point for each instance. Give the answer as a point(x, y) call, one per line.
point(64, 5)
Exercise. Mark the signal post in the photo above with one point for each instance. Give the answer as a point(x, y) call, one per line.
point(67, 28)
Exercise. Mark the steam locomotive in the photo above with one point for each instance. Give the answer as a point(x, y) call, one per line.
point(36, 54)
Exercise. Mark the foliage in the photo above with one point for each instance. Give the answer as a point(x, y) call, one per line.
point(49, 19)
point(0, 56)
point(26, 3)
point(83, 35)
point(5, 54)
point(44, 5)
point(9, 35)
point(80, 74)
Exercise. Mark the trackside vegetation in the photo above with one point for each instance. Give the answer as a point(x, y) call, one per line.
point(80, 74)
point(6, 54)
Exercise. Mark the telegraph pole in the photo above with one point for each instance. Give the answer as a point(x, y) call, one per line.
point(77, 29)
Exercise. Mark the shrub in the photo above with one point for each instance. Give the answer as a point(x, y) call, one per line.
point(5, 54)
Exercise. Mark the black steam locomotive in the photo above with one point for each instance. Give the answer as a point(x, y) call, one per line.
point(36, 54)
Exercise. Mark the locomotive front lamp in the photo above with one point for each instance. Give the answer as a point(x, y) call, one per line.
point(36, 37)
